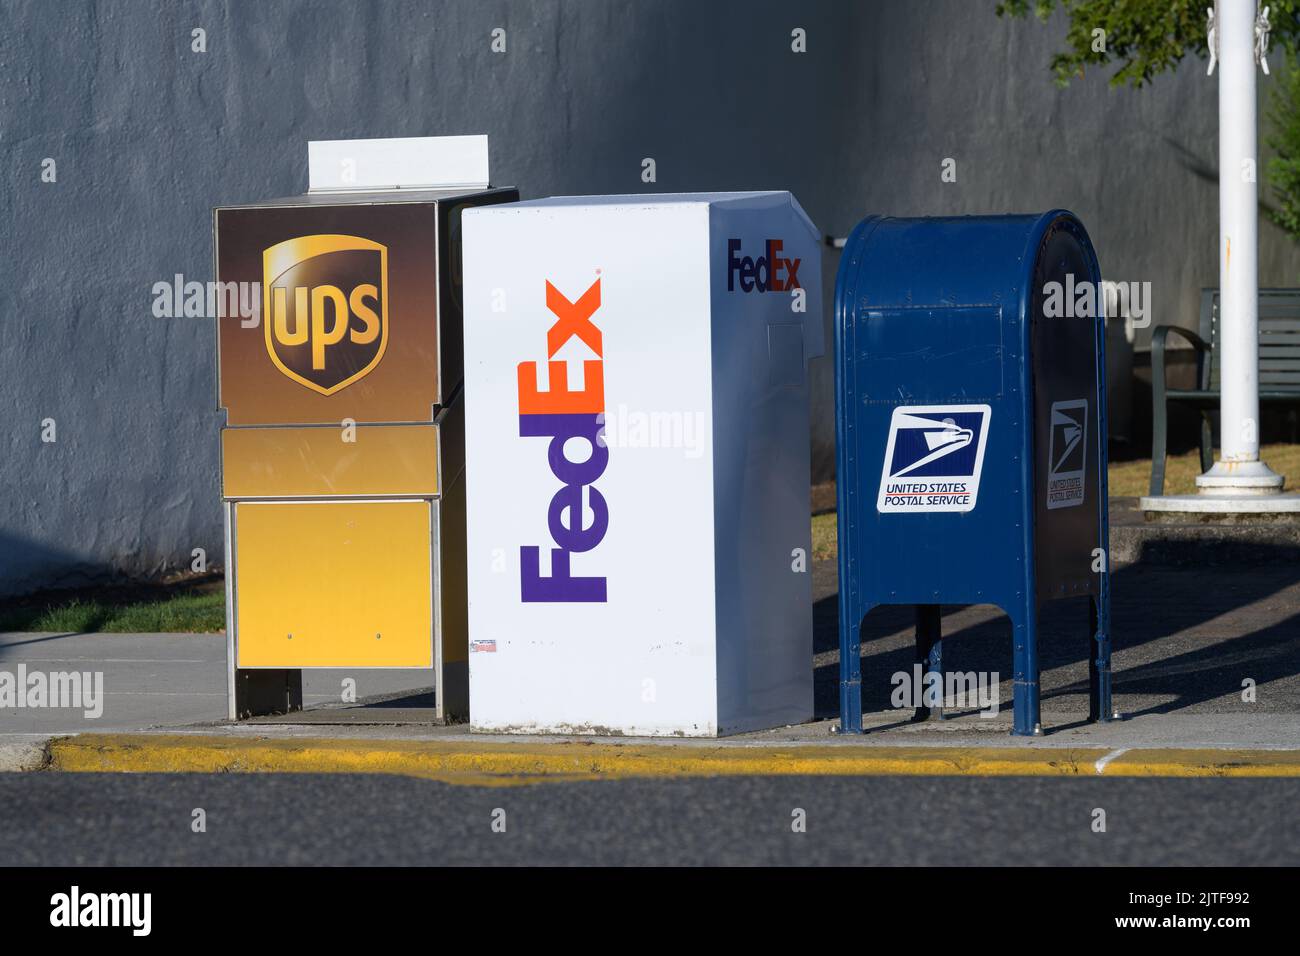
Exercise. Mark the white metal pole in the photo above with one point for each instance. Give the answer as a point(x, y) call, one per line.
point(1238, 233)
point(1239, 469)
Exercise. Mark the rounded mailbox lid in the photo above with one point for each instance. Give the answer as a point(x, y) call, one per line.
point(952, 260)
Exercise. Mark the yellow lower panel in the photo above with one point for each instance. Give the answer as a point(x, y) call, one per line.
point(334, 584)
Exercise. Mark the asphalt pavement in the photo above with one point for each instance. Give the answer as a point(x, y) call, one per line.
point(292, 819)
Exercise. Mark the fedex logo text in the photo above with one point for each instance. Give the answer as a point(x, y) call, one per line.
point(764, 273)
point(561, 415)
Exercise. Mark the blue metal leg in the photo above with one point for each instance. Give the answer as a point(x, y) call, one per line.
point(850, 668)
point(1024, 685)
point(1094, 675)
point(1100, 705)
point(929, 652)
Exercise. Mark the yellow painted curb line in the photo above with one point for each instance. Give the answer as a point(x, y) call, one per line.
point(1205, 762)
point(505, 763)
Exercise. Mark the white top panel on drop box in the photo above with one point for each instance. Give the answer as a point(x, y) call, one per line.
point(417, 162)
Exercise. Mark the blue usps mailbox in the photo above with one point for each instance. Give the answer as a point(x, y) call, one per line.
point(971, 435)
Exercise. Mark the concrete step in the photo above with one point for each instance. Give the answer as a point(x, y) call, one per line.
point(1189, 539)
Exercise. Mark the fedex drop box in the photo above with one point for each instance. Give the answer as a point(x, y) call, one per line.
point(637, 463)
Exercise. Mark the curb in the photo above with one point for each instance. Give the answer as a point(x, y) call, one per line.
point(19, 757)
point(501, 764)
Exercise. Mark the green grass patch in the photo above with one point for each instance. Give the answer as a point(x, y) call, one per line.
point(1132, 479)
point(825, 533)
point(194, 613)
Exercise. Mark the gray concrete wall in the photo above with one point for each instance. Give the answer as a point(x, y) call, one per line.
point(149, 135)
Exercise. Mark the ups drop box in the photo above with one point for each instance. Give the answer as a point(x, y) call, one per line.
point(343, 444)
point(637, 463)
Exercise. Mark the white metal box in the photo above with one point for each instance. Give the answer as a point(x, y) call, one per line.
point(637, 462)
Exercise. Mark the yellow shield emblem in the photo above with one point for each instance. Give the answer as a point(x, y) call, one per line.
point(325, 309)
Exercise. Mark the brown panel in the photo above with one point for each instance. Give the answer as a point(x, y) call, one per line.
point(399, 460)
point(382, 260)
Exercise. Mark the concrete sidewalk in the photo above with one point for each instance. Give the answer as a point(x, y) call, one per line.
point(158, 680)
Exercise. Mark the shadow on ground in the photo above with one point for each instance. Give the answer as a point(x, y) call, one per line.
point(1184, 639)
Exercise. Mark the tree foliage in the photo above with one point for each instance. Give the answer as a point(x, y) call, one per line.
point(1284, 167)
point(1145, 37)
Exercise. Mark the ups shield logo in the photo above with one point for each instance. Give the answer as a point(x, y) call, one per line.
point(325, 309)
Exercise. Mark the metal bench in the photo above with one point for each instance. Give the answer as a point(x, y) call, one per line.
point(1279, 369)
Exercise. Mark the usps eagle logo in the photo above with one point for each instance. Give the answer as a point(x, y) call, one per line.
point(1067, 454)
point(933, 458)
